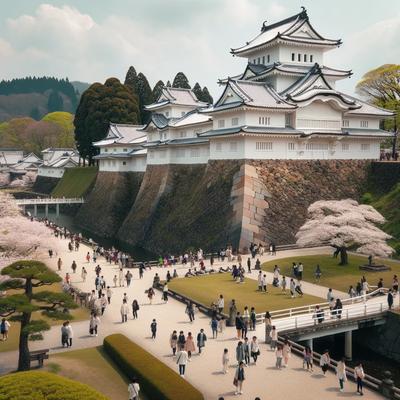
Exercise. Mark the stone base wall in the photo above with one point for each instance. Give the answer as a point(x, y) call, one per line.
point(182, 206)
point(109, 202)
point(277, 193)
point(44, 184)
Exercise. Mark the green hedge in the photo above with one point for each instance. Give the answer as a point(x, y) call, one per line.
point(157, 380)
point(34, 385)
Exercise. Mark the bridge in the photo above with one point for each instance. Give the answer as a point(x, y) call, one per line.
point(46, 202)
point(305, 324)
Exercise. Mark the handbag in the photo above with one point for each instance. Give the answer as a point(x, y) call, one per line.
point(235, 381)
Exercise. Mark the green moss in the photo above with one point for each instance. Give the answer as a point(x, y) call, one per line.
point(44, 386)
point(75, 182)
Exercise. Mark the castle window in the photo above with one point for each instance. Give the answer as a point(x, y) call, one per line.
point(268, 58)
point(311, 58)
point(345, 123)
point(264, 120)
point(124, 149)
point(365, 146)
point(254, 61)
point(221, 123)
point(263, 60)
point(293, 57)
point(235, 121)
point(114, 149)
point(288, 120)
point(299, 57)
point(305, 57)
point(218, 146)
point(258, 60)
point(105, 150)
point(264, 146)
point(233, 146)
point(291, 146)
point(364, 124)
point(195, 152)
point(123, 162)
point(317, 146)
point(167, 113)
point(345, 147)
point(182, 134)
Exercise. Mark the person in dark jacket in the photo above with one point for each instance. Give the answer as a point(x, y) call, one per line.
point(390, 299)
point(239, 325)
point(201, 339)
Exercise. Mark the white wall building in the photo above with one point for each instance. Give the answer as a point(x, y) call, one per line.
point(56, 160)
point(121, 150)
point(10, 156)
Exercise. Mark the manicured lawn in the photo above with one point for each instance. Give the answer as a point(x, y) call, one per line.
point(93, 367)
point(333, 275)
point(75, 182)
point(79, 314)
point(206, 289)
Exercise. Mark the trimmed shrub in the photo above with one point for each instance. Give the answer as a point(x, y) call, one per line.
point(156, 379)
point(35, 385)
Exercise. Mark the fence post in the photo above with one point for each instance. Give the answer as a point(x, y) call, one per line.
point(387, 385)
point(365, 309)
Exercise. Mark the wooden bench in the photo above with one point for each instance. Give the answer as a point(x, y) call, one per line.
point(39, 356)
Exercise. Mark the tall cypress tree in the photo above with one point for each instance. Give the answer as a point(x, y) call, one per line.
point(145, 96)
point(168, 84)
point(180, 81)
point(207, 96)
point(157, 90)
point(55, 102)
point(197, 91)
point(131, 79)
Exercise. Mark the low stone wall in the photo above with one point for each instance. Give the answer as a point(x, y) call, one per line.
point(109, 202)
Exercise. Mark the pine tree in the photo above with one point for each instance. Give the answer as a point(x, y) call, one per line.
point(157, 90)
point(180, 81)
point(168, 84)
point(131, 79)
point(206, 97)
point(145, 96)
point(55, 102)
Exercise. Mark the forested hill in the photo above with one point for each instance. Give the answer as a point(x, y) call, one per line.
point(35, 97)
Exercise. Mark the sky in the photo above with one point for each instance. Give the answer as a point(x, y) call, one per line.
point(92, 40)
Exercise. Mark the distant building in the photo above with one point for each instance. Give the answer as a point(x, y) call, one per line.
point(30, 163)
point(10, 156)
point(56, 160)
point(121, 150)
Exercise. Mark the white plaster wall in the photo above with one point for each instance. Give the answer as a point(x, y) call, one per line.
point(198, 154)
point(355, 122)
point(134, 164)
point(174, 111)
point(283, 82)
point(189, 131)
point(51, 172)
point(285, 54)
point(318, 111)
point(277, 119)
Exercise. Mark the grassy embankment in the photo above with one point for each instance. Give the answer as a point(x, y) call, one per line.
point(206, 289)
point(333, 275)
point(75, 182)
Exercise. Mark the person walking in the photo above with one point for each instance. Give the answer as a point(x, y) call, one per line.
point(214, 327)
point(133, 390)
point(254, 349)
point(240, 352)
point(182, 359)
point(249, 265)
point(150, 295)
point(359, 376)
point(325, 361)
point(59, 264)
point(70, 333)
point(4, 328)
point(279, 356)
point(341, 373)
point(189, 345)
point(286, 350)
point(73, 267)
point(253, 319)
point(128, 278)
point(225, 361)
point(264, 283)
point(190, 311)
point(109, 294)
point(247, 351)
point(246, 322)
point(181, 340)
point(307, 358)
point(121, 279)
point(239, 379)
point(93, 324)
point(274, 337)
point(317, 273)
point(83, 274)
point(268, 327)
point(173, 341)
point(115, 280)
point(292, 288)
point(390, 299)
point(239, 325)
point(153, 328)
point(201, 340)
point(221, 303)
point(135, 308)
point(165, 292)
point(259, 281)
point(103, 303)
point(124, 311)
point(64, 335)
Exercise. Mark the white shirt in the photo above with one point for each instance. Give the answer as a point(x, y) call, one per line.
point(221, 303)
point(70, 332)
point(124, 309)
point(182, 357)
point(133, 390)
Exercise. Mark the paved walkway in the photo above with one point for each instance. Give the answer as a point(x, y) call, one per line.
point(204, 371)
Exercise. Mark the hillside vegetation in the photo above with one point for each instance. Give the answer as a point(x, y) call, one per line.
point(53, 130)
point(75, 182)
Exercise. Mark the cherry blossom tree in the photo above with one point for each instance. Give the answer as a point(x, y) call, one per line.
point(4, 179)
point(19, 236)
point(345, 225)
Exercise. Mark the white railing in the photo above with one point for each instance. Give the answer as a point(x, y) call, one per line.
point(331, 316)
point(58, 200)
point(290, 312)
point(318, 123)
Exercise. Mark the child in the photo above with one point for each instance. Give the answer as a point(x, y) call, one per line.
point(283, 284)
point(279, 355)
point(221, 324)
point(153, 328)
point(274, 337)
point(225, 361)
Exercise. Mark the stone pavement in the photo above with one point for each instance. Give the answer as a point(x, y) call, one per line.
point(204, 371)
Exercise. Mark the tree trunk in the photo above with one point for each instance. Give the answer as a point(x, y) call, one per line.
point(344, 259)
point(24, 362)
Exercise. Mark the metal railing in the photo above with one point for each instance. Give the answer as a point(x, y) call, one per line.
point(295, 311)
point(51, 200)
